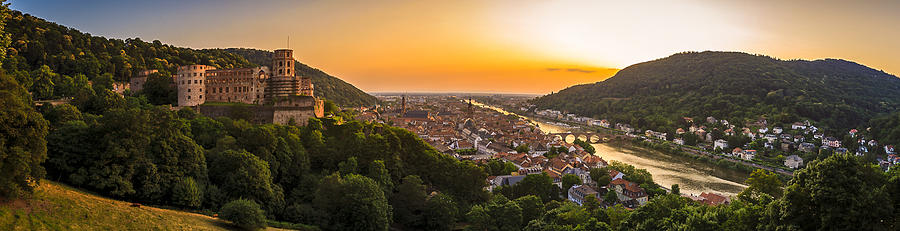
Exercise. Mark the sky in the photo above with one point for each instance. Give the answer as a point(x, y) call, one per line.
point(515, 46)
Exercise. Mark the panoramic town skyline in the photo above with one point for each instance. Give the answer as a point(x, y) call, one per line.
point(498, 46)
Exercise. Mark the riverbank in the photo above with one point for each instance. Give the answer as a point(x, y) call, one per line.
point(693, 176)
point(670, 148)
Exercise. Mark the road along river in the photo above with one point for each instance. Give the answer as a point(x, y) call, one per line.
point(692, 176)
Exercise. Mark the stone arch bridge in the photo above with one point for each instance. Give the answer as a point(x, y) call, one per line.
point(590, 137)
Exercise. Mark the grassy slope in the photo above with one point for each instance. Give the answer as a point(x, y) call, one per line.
point(57, 207)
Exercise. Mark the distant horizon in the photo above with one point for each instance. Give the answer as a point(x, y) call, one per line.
point(391, 93)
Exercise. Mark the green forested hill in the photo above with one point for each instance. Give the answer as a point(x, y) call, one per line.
point(73, 57)
point(327, 86)
point(735, 86)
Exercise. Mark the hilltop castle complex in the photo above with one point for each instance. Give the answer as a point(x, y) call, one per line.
point(275, 93)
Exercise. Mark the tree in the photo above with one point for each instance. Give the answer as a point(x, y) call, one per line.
point(348, 166)
point(187, 193)
point(584, 144)
point(159, 89)
point(103, 82)
point(540, 185)
point(611, 197)
point(409, 202)
point(676, 190)
point(593, 225)
point(840, 192)
point(762, 181)
point(496, 167)
point(23, 144)
point(244, 213)
point(499, 214)
point(43, 82)
point(568, 180)
point(352, 202)
point(440, 212)
point(379, 173)
point(62, 113)
point(522, 148)
point(507, 216)
point(4, 37)
point(532, 207)
point(331, 108)
point(601, 176)
point(242, 174)
point(591, 203)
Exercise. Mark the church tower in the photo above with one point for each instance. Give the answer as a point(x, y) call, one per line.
point(403, 105)
point(469, 109)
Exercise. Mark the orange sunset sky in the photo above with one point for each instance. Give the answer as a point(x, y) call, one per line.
point(496, 46)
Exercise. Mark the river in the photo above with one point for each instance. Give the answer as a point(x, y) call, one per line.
point(692, 176)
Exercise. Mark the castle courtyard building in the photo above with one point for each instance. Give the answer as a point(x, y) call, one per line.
point(275, 93)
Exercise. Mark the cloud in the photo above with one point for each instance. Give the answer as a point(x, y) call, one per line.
point(579, 70)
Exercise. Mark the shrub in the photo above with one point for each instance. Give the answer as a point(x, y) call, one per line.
point(186, 193)
point(244, 213)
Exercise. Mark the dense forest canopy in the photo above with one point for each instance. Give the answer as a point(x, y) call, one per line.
point(69, 54)
point(735, 86)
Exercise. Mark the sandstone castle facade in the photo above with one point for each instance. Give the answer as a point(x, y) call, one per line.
point(275, 93)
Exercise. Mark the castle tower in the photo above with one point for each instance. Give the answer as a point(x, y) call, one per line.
point(283, 81)
point(191, 84)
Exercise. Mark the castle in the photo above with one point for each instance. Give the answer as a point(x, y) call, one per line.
point(275, 93)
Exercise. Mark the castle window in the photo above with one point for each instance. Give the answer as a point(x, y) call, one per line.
point(189, 90)
point(289, 71)
point(195, 81)
point(201, 89)
point(226, 90)
point(201, 81)
point(220, 90)
point(280, 71)
point(195, 74)
point(289, 64)
point(201, 96)
point(189, 97)
point(280, 63)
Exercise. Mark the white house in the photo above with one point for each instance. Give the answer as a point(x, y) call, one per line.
point(831, 142)
point(720, 144)
point(748, 154)
point(793, 161)
point(771, 138)
point(798, 126)
point(578, 193)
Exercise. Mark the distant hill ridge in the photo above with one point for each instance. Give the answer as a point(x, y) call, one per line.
point(735, 86)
